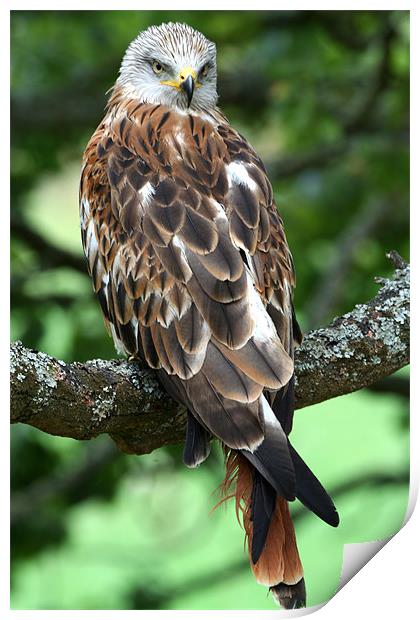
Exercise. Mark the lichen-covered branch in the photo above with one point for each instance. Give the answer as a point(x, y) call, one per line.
point(124, 399)
point(361, 347)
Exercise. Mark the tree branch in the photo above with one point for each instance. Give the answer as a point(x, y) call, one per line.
point(124, 399)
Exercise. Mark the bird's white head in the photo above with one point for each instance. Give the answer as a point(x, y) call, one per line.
point(171, 64)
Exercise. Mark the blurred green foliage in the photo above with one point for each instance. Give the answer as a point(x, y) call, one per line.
point(324, 98)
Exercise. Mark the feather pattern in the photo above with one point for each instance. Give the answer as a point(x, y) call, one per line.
point(190, 264)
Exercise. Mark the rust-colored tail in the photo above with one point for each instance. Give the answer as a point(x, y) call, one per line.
point(274, 557)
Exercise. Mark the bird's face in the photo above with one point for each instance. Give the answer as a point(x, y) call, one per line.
point(173, 65)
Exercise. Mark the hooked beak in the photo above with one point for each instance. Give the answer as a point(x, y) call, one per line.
point(187, 86)
point(186, 81)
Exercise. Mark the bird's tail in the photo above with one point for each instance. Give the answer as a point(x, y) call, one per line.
point(269, 531)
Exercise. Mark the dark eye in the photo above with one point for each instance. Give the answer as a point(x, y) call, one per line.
point(204, 70)
point(157, 67)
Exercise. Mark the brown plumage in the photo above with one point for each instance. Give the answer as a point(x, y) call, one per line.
point(191, 267)
point(280, 560)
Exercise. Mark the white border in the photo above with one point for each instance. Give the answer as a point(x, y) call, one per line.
point(388, 584)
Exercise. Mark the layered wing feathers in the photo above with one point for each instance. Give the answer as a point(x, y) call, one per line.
point(186, 249)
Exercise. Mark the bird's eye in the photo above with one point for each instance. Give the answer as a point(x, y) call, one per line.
point(204, 70)
point(157, 67)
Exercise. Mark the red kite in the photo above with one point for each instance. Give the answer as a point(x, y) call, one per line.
point(190, 263)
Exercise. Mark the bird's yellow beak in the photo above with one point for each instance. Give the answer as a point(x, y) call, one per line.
point(187, 80)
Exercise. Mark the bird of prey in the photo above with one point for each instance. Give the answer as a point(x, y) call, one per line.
point(191, 267)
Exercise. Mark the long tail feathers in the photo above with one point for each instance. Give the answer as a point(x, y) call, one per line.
point(311, 493)
point(269, 531)
point(263, 505)
point(262, 482)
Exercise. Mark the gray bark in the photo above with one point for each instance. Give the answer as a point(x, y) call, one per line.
point(122, 398)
